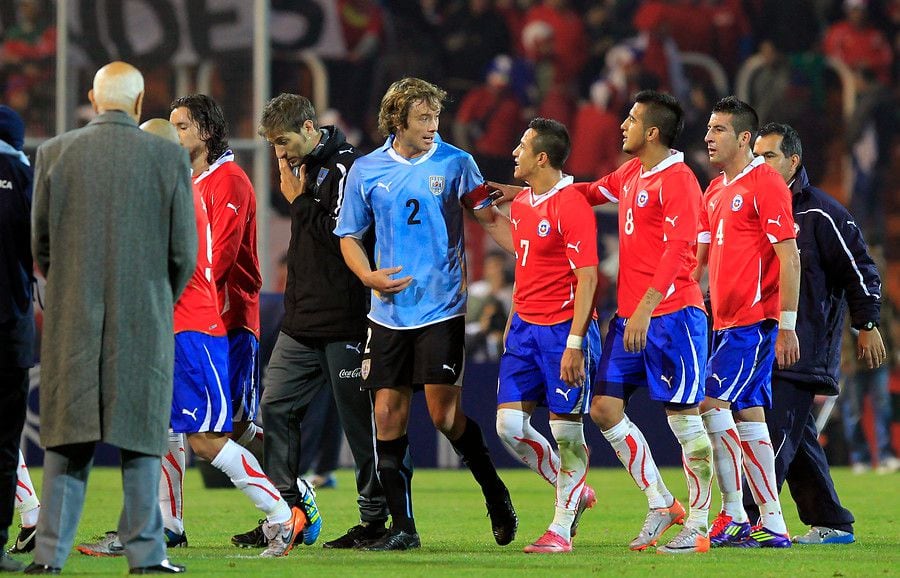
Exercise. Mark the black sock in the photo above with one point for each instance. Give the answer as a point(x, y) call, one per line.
point(474, 453)
point(395, 473)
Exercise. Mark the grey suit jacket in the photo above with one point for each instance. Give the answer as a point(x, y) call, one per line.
point(115, 236)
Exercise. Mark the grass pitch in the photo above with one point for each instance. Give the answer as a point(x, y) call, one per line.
point(457, 541)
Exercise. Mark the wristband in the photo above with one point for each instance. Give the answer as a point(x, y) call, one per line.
point(788, 320)
point(574, 342)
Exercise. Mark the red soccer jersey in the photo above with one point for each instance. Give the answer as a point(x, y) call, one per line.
point(742, 220)
point(197, 309)
point(553, 234)
point(232, 213)
point(656, 206)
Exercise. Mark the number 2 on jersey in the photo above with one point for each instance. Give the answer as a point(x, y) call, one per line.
point(412, 220)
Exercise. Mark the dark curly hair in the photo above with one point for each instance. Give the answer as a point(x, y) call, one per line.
point(210, 120)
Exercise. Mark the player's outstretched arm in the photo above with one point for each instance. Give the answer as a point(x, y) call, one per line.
point(509, 192)
point(496, 224)
point(787, 346)
point(380, 280)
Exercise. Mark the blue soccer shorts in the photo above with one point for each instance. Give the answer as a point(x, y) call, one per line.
point(672, 365)
point(741, 363)
point(243, 372)
point(201, 401)
point(530, 366)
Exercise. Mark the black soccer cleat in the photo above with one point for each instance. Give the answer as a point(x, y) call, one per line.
point(504, 521)
point(25, 541)
point(394, 540)
point(252, 539)
point(358, 536)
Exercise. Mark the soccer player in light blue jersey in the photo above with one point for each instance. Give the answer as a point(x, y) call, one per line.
point(411, 191)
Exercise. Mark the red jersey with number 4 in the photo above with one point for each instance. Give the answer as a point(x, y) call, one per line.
point(197, 309)
point(655, 206)
point(231, 202)
point(553, 234)
point(744, 217)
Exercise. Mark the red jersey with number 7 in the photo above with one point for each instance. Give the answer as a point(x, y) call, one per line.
point(744, 217)
point(553, 234)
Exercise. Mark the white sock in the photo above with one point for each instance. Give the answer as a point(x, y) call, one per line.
point(759, 467)
point(247, 476)
point(573, 457)
point(632, 450)
point(27, 502)
point(253, 432)
point(696, 456)
point(723, 436)
point(171, 484)
point(526, 443)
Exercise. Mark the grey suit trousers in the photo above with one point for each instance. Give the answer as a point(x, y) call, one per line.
point(66, 470)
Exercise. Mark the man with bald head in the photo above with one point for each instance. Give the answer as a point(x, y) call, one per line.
point(114, 235)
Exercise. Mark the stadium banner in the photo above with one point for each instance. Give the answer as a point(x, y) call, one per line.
point(184, 32)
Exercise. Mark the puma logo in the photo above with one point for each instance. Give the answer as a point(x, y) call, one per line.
point(354, 347)
point(712, 204)
point(565, 393)
point(672, 220)
point(233, 207)
point(386, 187)
point(193, 414)
point(721, 380)
point(667, 379)
point(576, 247)
point(774, 221)
point(515, 223)
point(450, 368)
point(625, 188)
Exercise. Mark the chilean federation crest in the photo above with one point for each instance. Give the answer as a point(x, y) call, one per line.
point(642, 198)
point(543, 228)
point(436, 184)
point(736, 203)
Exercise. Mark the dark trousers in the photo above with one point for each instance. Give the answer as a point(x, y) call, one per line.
point(297, 371)
point(13, 393)
point(800, 460)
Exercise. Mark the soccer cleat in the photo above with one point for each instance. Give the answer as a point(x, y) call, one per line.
point(726, 532)
point(549, 543)
point(7, 564)
point(358, 536)
point(282, 536)
point(656, 523)
point(24, 541)
point(688, 541)
point(107, 546)
point(394, 540)
point(823, 535)
point(34, 568)
point(255, 538)
point(585, 502)
point(761, 537)
point(313, 518)
point(164, 567)
point(174, 540)
point(503, 518)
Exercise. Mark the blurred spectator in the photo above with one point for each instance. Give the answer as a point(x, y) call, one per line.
point(870, 132)
point(857, 43)
point(792, 26)
point(363, 30)
point(768, 88)
point(861, 382)
point(569, 38)
point(731, 34)
point(701, 99)
point(488, 122)
point(27, 54)
point(472, 36)
point(606, 23)
point(490, 300)
point(596, 137)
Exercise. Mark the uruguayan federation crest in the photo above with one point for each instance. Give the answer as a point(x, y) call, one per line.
point(364, 368)
point(436, 184)
point(323, 172)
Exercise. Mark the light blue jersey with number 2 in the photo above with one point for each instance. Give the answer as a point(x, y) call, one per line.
point(415, 207)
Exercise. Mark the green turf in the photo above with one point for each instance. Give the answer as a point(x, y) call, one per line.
point(456, 538)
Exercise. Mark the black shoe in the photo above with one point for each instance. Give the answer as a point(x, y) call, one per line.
point(25, 541)
point(252, 539)
point(164, 567)
point(393, 540)
point(358, 536)
point(7, 564)
point(41, 569)
point(503, 518)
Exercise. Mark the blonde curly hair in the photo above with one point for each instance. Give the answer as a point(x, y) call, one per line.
point(401, 97)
